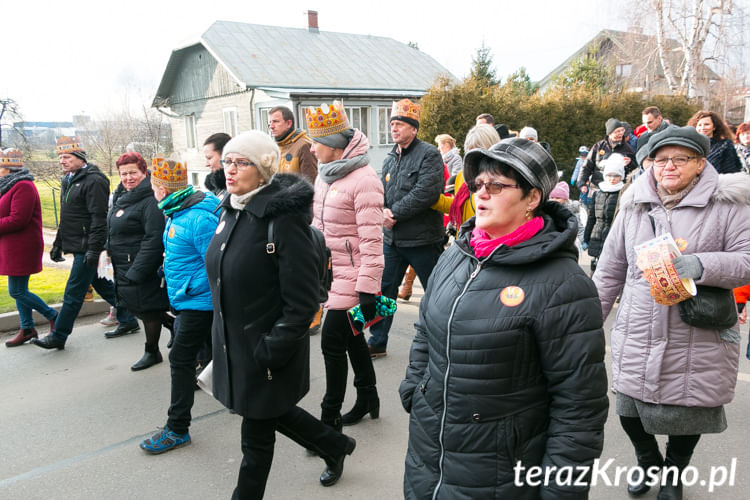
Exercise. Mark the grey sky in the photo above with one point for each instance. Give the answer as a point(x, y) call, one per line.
point(64, 58)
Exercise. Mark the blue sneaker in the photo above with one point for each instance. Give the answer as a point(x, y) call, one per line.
point(164, 440)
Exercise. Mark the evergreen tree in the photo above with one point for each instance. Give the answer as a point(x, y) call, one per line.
point(481, 67)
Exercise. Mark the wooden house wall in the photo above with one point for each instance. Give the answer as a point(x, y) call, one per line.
point(201, 77)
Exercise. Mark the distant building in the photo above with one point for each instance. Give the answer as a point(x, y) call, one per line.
point(635, 60)
point(42, 133)
point(230, 78)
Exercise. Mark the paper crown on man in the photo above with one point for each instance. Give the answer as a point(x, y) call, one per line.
point(11, 159)
point(71, 146)
point(169, 173)
point(406, 111)
point(328, 124)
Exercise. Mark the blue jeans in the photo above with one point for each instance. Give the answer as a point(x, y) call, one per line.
point(26, 302)
point(397, 259)
point(81, 276)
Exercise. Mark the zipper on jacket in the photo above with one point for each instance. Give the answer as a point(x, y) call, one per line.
point(323, 209)
point(349, 249)
point(447, 372)
point(268, 374)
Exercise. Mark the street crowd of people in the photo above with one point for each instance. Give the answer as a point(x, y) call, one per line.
point(507, 361)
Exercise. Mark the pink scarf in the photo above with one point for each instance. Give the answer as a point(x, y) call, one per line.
point(483, 245)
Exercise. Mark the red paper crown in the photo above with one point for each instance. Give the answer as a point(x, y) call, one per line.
point(69, 145)
point(406, 109)
point(11, 158)
point(169, 173)
point(326, 120)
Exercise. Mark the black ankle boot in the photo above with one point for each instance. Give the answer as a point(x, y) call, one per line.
point(672, 489)
point(648, 455)
point(332, 419)
point(150, 357)
point(367, 402)
point(335, 466)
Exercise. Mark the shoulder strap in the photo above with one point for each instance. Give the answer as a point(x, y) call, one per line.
point(270, 245)
point(653, 226)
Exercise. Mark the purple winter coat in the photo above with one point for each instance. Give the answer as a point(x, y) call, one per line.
point(21, 243)
point(350, 214)
point(656, 357)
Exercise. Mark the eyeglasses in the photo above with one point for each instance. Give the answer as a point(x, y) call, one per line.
point(240, 164)
point(492, 187)
point(677, 161)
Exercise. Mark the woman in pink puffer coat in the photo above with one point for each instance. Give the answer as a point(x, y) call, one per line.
point(348, 208)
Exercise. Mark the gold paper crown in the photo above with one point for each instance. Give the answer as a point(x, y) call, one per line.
point(326, 120)
point(69, 145)
point(406, 109)
point(11, 158)
point(169, 173)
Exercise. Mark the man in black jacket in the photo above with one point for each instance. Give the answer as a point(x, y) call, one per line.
point(413, 233)
point(84, 198)
point(613, 143)
point(654, 122)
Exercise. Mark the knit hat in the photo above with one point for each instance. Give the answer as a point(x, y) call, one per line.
point(12, 159)
point(71, 146)
point(680, 136)
point(528, 133)
point(326, 124)
point(614, 165)
point(406, 111)
point(613, 124)
point(171, 174)
point(527, 158)
point(583, 150)
point(561, 191)
point(643, 152)
point(257, 147)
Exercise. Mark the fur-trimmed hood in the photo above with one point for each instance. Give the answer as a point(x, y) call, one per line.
point(286, 194)
point(711, 186)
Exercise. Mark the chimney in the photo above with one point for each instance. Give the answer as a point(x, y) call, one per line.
point(312, 21)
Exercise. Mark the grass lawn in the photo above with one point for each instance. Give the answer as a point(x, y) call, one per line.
point(49, 285)
point(48, 209)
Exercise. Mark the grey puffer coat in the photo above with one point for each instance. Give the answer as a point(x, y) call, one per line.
point(497, 378)
point(656, 357)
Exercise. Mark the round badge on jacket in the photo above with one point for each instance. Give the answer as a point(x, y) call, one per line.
point(682, 244)
point(511, 296)
point(220, 227)
point(119, 213)
point(171, 232)
point(387, 177)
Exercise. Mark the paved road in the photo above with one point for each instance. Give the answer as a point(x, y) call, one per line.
point(71, 421)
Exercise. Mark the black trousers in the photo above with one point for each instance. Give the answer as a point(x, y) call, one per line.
point(192, 329)
point(337, 340)
point(259, 436)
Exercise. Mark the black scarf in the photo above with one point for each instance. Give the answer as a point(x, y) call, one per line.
point(10, 180)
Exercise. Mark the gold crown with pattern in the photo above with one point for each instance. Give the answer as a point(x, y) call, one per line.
point(69, 145)
point(405, 109)
point(11, 158)
point(169, 173)
point(326, 120)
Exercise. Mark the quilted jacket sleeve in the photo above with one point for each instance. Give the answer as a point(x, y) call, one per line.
point(571, 343)
point(730, 268)
point(418, 358)
point(612, 268)
point(368, 212)
point(97, 205)
point(150, 254)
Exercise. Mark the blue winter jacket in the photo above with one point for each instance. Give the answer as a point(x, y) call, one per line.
point(187, 234)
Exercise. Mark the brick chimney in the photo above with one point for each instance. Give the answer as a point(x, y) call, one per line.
point(312, 21)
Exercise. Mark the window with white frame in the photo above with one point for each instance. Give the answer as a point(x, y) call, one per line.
point(384, 126)
point(190, 134)
point(195, 179)
point(623, 70)
point(263, 121)
point(359, 118)
point(231, 125)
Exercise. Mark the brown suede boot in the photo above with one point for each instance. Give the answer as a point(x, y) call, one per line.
point(405, 292)
point(22, 337)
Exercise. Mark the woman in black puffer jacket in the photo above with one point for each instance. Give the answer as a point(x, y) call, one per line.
point(135, 228)
point(506, 369)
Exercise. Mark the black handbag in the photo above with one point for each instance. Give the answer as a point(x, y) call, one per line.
point(711, 308)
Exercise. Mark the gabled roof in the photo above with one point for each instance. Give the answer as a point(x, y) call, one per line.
point(292, 58)
point(625, 41)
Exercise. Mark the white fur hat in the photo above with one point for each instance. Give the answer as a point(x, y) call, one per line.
point(614, 164)
point(528, 133)
point(257, 147)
